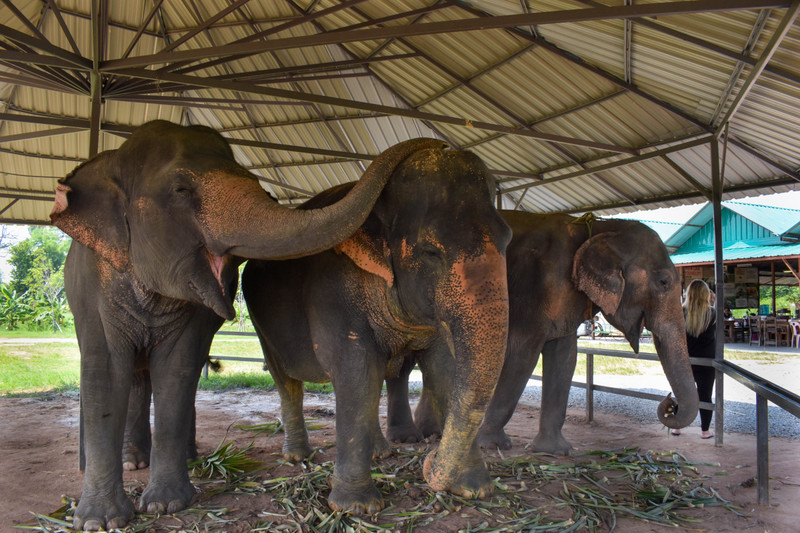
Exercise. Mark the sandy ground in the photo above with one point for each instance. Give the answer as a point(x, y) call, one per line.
point(39, 439)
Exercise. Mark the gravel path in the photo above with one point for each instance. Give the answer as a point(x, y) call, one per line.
point(740, 416)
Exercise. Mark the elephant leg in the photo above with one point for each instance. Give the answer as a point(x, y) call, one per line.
point(425, 416)
point(352, 488)
point(381, 449)
point(105, 383)
point(137, 442)
point(174, 375)
point(296, 446)
point(558, 366)
point(400, 426)
point(437, 378)
point(517, 370)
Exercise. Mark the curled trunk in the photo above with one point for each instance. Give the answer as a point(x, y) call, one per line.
point(240, 219)
point(669, 339)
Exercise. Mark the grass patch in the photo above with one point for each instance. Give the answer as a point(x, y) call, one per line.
point(30, 368)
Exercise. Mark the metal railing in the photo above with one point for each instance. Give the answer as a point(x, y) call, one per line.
point(765, 390)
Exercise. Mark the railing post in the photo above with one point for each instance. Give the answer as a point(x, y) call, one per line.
point(762, 448)
point(589, 387)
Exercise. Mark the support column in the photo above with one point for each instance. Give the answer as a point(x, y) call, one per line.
point(719, 278)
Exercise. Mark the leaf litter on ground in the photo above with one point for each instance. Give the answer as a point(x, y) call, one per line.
point(535, 493)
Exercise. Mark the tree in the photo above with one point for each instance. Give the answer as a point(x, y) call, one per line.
point(50, 242)
point(35, 294)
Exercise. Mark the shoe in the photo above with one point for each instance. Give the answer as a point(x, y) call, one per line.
point(706, 436)
point(676, 432)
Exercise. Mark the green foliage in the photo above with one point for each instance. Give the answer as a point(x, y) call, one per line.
point(227, 462)
point(35, 296)
point(785, 296)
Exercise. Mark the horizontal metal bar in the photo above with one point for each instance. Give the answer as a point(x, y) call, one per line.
point(781, 397)
point(234, 358)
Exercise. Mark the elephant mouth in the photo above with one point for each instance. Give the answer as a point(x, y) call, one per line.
point(214, 295)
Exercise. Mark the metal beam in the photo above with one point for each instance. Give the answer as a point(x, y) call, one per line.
point(365, 106)
point(450, 26)
point(38, 134)
point(140, 30)
point(777, 37)
point(99, 33)
point(75, 61)
point(615, 164)
point(63, 25)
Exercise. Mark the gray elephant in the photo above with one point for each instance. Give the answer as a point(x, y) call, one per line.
point(159, 227)
point(561, 271)
point(425, 274)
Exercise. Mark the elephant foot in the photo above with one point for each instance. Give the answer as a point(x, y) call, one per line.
point(356, 499)
point(163, 498)
point(103, 513)
point(382, 448)
point(467, 482)
point(404, 433)
point(297, 452)
point(428, 426)
point(493, 438)
point(134, 458)
point(552, 444)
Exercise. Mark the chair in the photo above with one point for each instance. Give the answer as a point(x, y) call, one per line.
point(755, 331)
point(782, 331)
point(795, 325)
point(770, 332)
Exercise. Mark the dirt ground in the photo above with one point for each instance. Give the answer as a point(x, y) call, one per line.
point(39, 464)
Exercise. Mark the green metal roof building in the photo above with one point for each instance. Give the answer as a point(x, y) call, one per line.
point(761, 247)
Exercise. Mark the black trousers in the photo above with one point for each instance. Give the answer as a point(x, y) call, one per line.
point(704, 377)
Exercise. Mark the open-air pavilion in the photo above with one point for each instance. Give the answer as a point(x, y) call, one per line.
point(576, 106)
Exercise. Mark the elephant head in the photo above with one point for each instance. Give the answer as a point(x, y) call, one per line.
point(172, 208)
point(627, 272)
point(439, 243)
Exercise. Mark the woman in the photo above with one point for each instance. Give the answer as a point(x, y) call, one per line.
point(701, 324)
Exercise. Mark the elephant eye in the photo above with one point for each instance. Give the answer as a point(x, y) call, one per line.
point(663, 281)
point(432, 253)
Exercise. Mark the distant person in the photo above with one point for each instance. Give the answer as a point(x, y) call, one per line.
point(701, 322)
point(727, 313)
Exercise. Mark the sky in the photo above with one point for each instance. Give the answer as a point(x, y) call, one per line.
point(789, 200)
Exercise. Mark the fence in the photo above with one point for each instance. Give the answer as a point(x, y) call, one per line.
point(765, 390)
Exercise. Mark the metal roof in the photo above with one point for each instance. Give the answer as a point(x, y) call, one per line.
point(576, 105)
point(742, 222)
point(740, 253)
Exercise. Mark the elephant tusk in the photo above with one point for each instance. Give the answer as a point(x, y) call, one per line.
point(447, 335)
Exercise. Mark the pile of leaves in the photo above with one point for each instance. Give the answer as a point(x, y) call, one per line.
point(536, 493)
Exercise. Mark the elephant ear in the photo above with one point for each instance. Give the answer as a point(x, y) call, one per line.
point(90, 207)
point(369, 250)
point(598, 270)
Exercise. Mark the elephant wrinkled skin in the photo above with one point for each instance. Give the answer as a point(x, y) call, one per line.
point(562, 270)
point(159, 227)
point(425, 274)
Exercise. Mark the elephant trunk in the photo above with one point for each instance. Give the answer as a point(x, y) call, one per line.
point(669, 338)
point(477, 301)
point(240, 219)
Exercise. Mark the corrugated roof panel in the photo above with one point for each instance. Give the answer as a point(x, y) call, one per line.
point(775, 219)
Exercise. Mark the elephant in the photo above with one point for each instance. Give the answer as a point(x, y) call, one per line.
point(561, 271)
point(425, 275)
point(159, 227)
